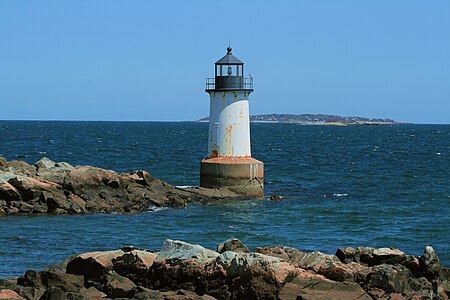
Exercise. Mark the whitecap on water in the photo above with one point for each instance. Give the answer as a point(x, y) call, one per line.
point(155, 208)
point(340, 195)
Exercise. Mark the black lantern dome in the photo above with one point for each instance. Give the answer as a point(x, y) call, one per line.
point(229, 75)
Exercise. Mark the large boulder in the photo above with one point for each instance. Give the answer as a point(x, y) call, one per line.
point(67, 282)
point(93, 265)
point(118, 286)
point(87, 181)
point(134, 264)
point(44, 164)
point(21, 168)
point(232, 244)
point(430, 265)
point(31, 188)
point(172, 249)
point(309, 286)
point(8, 192)
point(56, 201)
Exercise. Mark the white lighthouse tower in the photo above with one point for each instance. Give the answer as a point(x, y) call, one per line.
point(229, 163)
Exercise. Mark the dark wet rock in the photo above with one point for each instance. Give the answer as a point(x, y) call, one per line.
point(29, 292)
point(67, 282)
point(276, 198)
point(8, 192)
point(147, 294)
point(54, 293)
point(118, 286)
point(30, 278)
point(232, 244)
point(390, 278)
point(55, 200)
point(134, 264)
point(88, 293)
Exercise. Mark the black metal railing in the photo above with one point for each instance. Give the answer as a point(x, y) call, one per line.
point(222, 83)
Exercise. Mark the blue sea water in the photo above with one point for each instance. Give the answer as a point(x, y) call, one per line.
point(378, 186)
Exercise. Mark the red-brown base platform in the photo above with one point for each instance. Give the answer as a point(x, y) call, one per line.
point(242, 175)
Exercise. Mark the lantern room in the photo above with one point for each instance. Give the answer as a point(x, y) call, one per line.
point(229, 75)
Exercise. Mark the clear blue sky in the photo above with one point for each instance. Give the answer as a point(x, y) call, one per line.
point(148, 60)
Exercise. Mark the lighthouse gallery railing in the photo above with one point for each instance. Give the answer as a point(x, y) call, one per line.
point(245, 84)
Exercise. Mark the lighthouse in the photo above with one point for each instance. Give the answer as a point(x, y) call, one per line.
point(229, 163)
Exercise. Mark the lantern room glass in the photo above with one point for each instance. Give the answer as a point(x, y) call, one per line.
point(229, 70)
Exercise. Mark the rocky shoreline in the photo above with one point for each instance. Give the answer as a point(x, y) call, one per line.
point(185, 271)
point(48, 187)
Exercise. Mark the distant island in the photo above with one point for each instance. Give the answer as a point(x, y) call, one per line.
point(315, 119)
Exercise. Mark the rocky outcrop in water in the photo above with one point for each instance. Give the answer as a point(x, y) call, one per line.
point(60, 188)
point(184, 271)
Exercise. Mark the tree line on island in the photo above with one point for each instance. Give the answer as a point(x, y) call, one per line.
point(315, 119)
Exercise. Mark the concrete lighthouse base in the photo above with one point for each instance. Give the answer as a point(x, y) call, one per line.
point(244, 176)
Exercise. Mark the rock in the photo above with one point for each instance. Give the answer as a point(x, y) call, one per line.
point(445, 280)
point(31, 188)
point(147, 179)
point(29, 292)
point(134, 264)
point(114, 183)
point(237, 264)
point(47, 279)
point(48, 170)
point(276, 198)
point(93, 265)
point(78, 203)
point(40, 208)
point(91, 293)
point(8, 192)
point(232, 244)
point(21, 168)
point(83, 180)
point(55, 200)
point(44, 164)
point(346, 255)
point(3, 163)
point(182, 250)
point(388, 256)
point(147, 294)
point(118, 286)
point(209, 193)
point(26, 208)
point(64, 281)
point(429, 264)
point(54, 293)
point(9, 294)
point(309, 286)
point(291, 255)
point(186, 271)
point(390, 278)
point(31, 278)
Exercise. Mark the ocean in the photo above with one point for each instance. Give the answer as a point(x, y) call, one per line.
point(342, 186)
